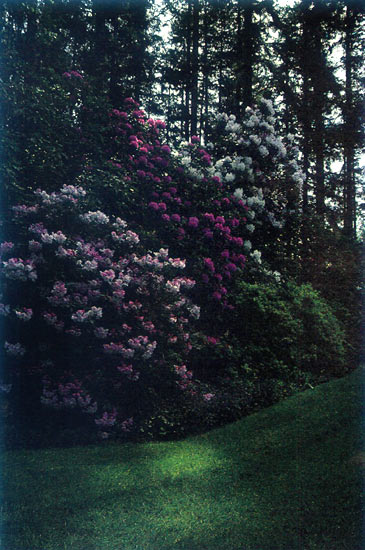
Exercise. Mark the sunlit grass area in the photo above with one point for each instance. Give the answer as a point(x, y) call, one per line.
point(287, 478)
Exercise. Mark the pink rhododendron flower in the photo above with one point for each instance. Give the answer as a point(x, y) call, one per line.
point(208, 396)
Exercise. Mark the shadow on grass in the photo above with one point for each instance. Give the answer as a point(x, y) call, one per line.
point(280, 480)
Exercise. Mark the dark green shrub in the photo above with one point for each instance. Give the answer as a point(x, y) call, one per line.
point(282, 329)
point(224, 401)
point(279, 339)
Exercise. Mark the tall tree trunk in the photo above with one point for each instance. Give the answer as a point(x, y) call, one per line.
point(287, 118)
point(139, 26)
point(349, 153)
point(320, 185)
point(248, 54)
point(239, 54)
point(113, 83)
point(195, 68)
point(182, 119)
point(188, 73)
point(97, 66)
point(305, 108)
point(319, 128)
point(220, 76)
point(205, 95)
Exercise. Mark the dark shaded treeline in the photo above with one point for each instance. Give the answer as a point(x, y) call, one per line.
point(221, 55)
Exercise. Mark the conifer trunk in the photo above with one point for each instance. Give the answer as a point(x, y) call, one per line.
point(188, 73)
point(304, 111)
point(349, 216)
point(195, 68)
point(248, 54)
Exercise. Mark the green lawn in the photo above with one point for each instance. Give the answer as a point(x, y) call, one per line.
point(287, 478)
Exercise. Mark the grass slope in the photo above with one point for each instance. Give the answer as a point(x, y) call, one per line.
point(287, 478)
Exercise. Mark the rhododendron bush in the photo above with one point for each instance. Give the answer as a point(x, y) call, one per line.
point(198, 219)
point(213, 208)
point(114, 279)
point(101, 324)
point(263, 169)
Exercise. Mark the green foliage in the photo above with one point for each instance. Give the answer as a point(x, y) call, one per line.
point(286, 329)
point(233, 397)
point(334, 268)
point(280, 339)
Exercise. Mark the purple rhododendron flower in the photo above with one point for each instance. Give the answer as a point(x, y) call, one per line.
point(208, 233)
point(208, 262)
point(210, 217)
point(193, 222)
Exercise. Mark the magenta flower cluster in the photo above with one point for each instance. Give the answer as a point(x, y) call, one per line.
point(212, 219)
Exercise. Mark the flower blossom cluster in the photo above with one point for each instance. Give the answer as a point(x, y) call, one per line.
point(81, 316)
point(129, 372)
point(19, 269)
point(95, 217)
point(24, 314)
point(208, 396)
point(127, 424)
point(107, 419)
point(177, 283)
point(70, 74)
point(68, 195)
point(14, 350)
point(185, 375)
point(55, 237)
point(120, 304)
point(258, 162)
point(68, 395)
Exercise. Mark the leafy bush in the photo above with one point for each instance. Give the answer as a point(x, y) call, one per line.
point(206, 203)
point(99, 325)
point(284, 329)
point(95, 323)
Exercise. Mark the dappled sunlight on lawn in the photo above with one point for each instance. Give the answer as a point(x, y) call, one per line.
point(262, 483)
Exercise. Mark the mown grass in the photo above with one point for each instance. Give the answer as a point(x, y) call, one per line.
point(287, 478)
